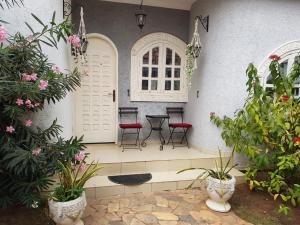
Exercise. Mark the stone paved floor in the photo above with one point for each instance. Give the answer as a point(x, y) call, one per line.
point(185, 207)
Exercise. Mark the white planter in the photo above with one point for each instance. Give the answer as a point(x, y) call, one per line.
point(67, 213)
point(219, 193)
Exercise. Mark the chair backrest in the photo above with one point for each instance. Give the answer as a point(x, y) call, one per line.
point(175, 112)
point(128, 111)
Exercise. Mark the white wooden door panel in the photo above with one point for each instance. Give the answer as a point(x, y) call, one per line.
point(95, 105)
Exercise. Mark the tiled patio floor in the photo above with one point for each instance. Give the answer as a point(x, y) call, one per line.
point(184, 207)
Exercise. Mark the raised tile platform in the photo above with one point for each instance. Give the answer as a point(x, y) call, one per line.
point(163, 165)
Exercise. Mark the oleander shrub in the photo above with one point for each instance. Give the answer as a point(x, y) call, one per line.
point(29, 155)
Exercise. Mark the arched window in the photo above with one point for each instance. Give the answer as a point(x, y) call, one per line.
point(288, 53)
point(157, 69)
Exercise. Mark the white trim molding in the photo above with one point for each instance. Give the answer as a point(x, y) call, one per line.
point(287, 53)
point(178, 89)
point(171, 4)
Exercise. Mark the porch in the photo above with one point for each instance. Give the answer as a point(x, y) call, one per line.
point(163, 166)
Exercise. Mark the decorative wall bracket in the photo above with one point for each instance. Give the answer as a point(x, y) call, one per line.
point(204, 21)
point(67, 8)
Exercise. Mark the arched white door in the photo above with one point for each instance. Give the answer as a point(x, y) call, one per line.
point(96, 98)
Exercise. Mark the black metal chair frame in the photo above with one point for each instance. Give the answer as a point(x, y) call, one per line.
point(177, 111)
point(129, 111)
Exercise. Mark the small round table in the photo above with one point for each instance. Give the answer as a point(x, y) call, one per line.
point(160, 120)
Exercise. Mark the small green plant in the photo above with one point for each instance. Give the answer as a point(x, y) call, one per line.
point(73, 175)
point(190, 64)
point(220, 172)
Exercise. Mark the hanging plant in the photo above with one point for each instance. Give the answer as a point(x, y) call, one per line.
point(190, 64)
point(192, 52)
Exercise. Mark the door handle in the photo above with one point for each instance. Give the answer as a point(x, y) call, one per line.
point(114, 95)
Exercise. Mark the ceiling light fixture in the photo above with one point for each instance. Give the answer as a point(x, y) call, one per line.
point(141, 17)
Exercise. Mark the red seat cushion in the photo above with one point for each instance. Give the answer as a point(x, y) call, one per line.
point(184, 125)
point(130, 125)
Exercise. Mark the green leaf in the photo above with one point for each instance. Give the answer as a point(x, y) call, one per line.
point(38, 20)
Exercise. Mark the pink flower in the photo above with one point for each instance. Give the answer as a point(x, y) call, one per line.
point(33, 77)
point(19, 102)
point(79, 156)
point(36, 151)
point(296, 139)
point(10, 129)
point(28, 123)
point(2, 34)
point(26, 77)
point(43, 85)
point(284, 98)
point(29, 77)
point(82, 167)
point(28, 104)
point(274, 57)
point(74, 40)
point(36, 104)
point(29, 39)
point(55, 69)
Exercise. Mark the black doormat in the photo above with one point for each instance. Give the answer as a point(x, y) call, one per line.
point(131, 180)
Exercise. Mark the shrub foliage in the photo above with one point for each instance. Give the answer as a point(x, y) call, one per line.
point(29, 155)
point(267, 130)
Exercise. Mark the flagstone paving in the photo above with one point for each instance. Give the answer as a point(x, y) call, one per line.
point(184, 207)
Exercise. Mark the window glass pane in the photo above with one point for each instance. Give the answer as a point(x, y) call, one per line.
point(176, 85)
point(284, 67)
point(154, 72)
point(144, 84)
point(169, 72)
point(167, 85)
point(296, 92)
point(154, 85)
point(269, 79)
point(177, 60)
point(145, 71)
point(155, 54)
point(169, 57)
point(146, 58)
point(177, 73)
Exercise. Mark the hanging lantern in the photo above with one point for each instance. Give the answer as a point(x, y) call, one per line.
point(80, 49)
point(141, 17)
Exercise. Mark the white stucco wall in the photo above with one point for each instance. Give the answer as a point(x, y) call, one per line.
point(240, 32)
point(44, 9)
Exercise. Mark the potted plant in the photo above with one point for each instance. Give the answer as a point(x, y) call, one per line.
point(220, 185)
point(68, 201)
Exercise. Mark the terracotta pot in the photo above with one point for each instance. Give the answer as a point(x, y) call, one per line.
point(219, 192)
point(68, 213)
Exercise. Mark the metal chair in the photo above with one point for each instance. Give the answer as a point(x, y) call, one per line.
point(177, 112)
point(129, 112)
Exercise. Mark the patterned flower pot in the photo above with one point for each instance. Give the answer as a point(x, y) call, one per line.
point(67, 213)
point(219, 193)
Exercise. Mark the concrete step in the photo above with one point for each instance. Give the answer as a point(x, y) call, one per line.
point(101, 186)
point(151, 159)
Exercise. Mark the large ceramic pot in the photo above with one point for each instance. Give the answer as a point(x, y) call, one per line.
point(219, 192)
point(67, 213)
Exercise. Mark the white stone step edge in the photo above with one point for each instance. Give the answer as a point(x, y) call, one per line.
point(101, 186)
